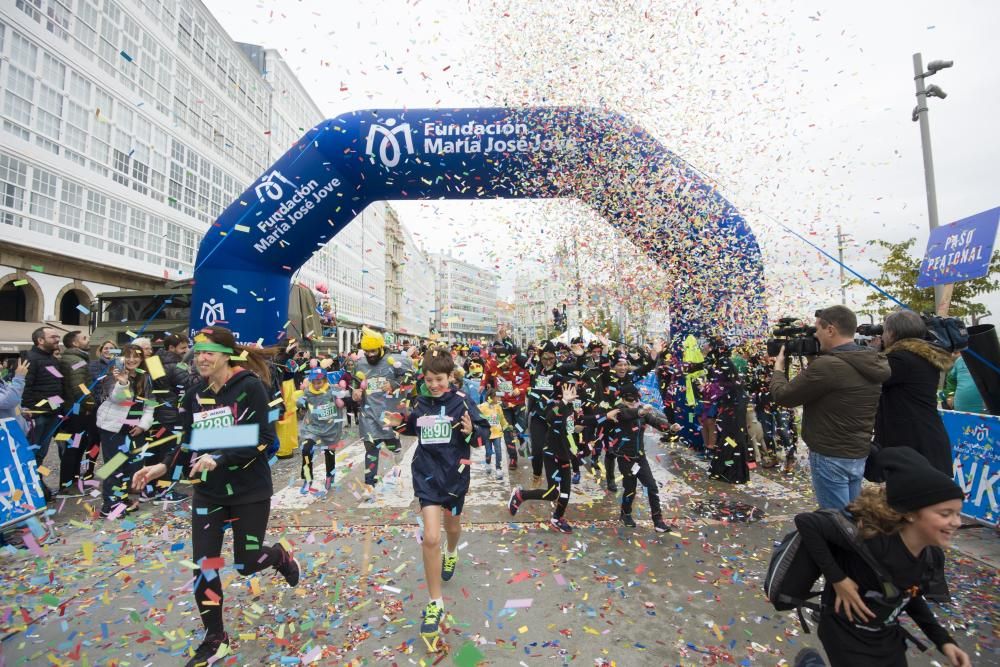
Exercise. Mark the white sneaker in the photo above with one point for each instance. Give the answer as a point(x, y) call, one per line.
point(498, 473)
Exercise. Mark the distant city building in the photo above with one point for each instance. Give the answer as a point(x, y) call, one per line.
point(417, 309)
point(127, 128)
point(466, 299)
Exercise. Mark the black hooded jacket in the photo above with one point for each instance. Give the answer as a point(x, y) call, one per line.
point(242, 474)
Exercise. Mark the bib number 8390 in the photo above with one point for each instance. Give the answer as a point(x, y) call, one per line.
point(438, 434)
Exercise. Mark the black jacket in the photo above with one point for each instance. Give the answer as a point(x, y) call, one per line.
point(441, 469)
point(242, 474)
point(907, 409)
point(168, 389)
point(917, 577)
point(41, 383)
point(628, 433)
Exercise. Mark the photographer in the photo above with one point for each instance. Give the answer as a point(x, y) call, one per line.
point(839, 393)
point(907, 410)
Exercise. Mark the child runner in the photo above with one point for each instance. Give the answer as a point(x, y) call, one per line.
point(232, 488)
point(446, 426)
point(904, 524)
point(492, 412)
point(628, 434)
point(322, 425)
point(560, 445)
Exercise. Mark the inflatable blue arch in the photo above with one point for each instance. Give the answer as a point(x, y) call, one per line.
point(247, 258)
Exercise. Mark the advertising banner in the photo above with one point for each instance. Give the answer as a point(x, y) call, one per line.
point(977, 461)
point(20, 487)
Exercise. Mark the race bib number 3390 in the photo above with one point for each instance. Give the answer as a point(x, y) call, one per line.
point(437, 434)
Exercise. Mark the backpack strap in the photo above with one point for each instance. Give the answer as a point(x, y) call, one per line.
point(847, 526)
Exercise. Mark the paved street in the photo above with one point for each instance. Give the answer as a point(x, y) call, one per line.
point(100, 593)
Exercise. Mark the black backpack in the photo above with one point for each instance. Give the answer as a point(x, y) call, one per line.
point(792, 571)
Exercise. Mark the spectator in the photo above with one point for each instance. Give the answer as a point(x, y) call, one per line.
point(81, 418)
point(100, 366)
point(960, 390)
point(43, 389)
point(907, 410)
point(10, 395)
point(839, 393)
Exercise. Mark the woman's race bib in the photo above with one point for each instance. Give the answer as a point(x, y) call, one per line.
point(215, 418)
point(439, 433)
point(505, 387)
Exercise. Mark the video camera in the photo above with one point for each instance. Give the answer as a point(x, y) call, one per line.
point(948, 333)
point(796, 337)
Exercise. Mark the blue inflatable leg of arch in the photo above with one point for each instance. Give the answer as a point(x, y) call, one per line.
point(246, 260)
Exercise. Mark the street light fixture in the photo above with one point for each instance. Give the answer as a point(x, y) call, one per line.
point(942, 293)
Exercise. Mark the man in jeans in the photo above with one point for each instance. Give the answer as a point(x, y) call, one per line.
point(839, 392)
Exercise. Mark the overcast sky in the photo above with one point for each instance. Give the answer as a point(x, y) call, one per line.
point(800, 112)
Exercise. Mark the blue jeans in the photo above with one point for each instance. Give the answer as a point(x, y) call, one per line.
point(836, 481)
point(44, 426)
point(493, 447)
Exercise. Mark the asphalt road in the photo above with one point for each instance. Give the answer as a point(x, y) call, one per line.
point(116, 593)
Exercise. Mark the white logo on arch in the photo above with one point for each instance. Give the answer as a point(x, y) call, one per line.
point(213, 312)
point(389, 150)
point(269, 186)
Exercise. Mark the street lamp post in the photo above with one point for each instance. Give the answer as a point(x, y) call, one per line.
point(942, 293)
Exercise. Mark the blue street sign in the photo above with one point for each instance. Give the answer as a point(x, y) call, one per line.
point(960, 251)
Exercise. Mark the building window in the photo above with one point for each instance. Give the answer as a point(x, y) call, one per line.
point(13, 177)
point(22, 52)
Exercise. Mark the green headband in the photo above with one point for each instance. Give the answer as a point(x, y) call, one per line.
point(212, 347)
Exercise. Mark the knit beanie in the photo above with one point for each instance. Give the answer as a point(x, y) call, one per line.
point(912, 483)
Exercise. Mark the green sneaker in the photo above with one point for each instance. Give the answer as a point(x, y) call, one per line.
point(448, 564)
point(431, 625)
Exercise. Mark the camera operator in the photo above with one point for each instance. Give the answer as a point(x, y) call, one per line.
point(907, 410)
point(839, 392)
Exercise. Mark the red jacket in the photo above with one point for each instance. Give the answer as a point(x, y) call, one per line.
point(512, 383)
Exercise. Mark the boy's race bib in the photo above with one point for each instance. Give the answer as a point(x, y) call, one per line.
point(215, 418)
point(325, 412)
point(493, 419)
point(437, 434)
point(544, 383)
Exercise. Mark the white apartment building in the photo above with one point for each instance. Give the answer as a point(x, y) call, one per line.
point(466, 300)
point(417, 306)
point(126, 127)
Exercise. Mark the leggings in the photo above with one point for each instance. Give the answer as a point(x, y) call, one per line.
point(538, 430)
point(372, 450)
point(558, 473)
point(208, 528)
point(609, 457)
point(513, 417)
point(114, 489)
point(72, 456)
point(643, 475)
point(329, 457)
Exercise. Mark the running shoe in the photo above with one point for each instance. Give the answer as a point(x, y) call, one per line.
point(288, 567)
point(498, 473)
point(515, 501)
point(430, 627)
point(448, 565)
point(561, 525)
point(305, 489)
point(627, 520)
point(215, 646)
point(662, 526)
point(169, 498)
point(576, 478)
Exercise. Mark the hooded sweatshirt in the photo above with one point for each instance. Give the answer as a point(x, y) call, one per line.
point(442, 458)
point(242, 474)
point(839, 393)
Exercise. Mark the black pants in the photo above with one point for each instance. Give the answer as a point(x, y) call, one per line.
point(643, 475)
point(513, 417)
point(208, 529)
point(559, 485)
point(372, 450)
point(115, 487)
point(76, 450)
point(329, 456)
point(538, 430)
point(609, 458)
